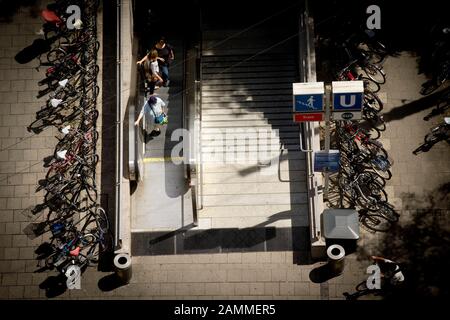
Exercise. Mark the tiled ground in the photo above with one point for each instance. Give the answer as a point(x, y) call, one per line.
point(235, 275)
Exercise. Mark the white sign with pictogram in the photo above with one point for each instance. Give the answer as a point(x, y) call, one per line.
point(308, 101)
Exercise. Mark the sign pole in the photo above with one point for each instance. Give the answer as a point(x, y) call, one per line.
point(327, 133)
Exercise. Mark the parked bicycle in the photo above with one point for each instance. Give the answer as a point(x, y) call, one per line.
point(437, 134)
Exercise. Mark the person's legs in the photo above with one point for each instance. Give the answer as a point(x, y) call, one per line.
point(165, 74)
point(152, 87)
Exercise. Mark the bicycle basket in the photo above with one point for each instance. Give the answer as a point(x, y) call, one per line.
point(57, 229)
point(382, 163)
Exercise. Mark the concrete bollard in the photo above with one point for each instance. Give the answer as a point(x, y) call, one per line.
point(336, 258)
point(122, 264)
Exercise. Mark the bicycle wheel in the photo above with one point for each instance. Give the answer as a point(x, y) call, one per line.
point(88, 239)
point(425, 147)
point(438, 134)
point(376, 57)
point(377, 192)
point(93, 254)
point(375, 148)
point(370, 85)
point(387, 211)
point(371, 201)
point(381, 166)
point(362, 286)
point(348, 193)
point(375, 120)
point(370, 176)
point(56, 55)
point(55, 260)
point(375, 73)
point(429, 87)
point(373, 101)
point(375, 222)
point(102, 219)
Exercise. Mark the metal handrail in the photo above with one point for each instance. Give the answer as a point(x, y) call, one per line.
point(307, 74)
point(119, 132)
point(198, 117)
point(192, 118)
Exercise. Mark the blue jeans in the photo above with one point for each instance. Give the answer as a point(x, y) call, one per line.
point(164, 73)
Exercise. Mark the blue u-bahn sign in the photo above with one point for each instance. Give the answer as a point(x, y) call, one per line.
point(348, 95)
point(347, 101)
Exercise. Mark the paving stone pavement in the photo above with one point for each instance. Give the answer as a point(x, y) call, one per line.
point(262, 275)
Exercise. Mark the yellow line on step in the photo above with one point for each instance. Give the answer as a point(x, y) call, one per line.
point(162, 159)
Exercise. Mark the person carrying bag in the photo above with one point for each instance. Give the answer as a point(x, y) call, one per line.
point(155, 117)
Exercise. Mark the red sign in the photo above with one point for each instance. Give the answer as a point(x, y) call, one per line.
point(302, 117)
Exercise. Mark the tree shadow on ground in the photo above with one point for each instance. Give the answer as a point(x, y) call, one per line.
point(420, 243)
point(416, 106)
point(54, 285)
point(10, 8)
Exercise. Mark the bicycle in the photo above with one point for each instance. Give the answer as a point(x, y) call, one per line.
point(438, 79)
point(381, 220)
point(437, 134)
point(362, 290)
point(441, 107)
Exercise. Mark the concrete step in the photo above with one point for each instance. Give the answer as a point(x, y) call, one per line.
point(248, 87)
point(267, 57)
point(237, 177)
point(263, 129)
point(248, 116)
point(274, 211)
point(279, 136)
point(283, 165)
point(248, 98)
point(252, 188)
point(250, 158)
point(248, 149)
point(253, 222)
point(290, 62)
point(245, 81)
point(245, 69)
point(246, 105)
point(251, 33)
point(241, 111)
point(246, 52)
point(282, 210)
point(254, 199)
point(267, 90)
point(226, 74)
point(242, 42)
point(244, 141)
point(249, 123)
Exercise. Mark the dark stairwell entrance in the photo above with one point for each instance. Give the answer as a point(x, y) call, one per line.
point(249, 61)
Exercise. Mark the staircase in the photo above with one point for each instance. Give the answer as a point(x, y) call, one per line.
point(253, 171)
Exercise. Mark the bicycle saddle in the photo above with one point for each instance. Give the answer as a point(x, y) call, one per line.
point(75, 252)
point(50, 16)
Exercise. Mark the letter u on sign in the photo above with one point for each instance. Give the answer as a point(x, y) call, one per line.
point(347, 101)
point(343, 101)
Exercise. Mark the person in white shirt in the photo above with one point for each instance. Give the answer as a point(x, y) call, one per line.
point(151, 70)
point(390, 270)
point(153, 108)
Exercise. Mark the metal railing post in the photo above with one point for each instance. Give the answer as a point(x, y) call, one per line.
point(119, 131)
